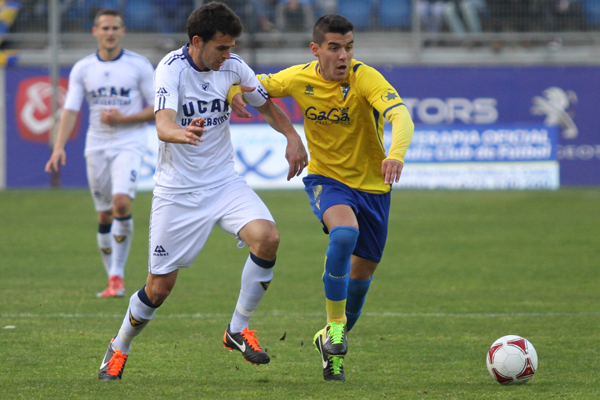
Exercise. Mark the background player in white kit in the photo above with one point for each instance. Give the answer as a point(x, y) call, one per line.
point(197, 186)
point(117, 85)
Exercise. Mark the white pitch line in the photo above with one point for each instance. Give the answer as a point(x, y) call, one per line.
point(319, 314)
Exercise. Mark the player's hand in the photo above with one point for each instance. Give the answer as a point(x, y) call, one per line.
point(391, 170)
point(194, 131)
point(58, 156)
point(239, 106)
point(112, 117)
point(296, 155)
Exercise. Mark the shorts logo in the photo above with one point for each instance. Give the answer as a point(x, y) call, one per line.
point(159, 251)
point(265, 285)
point(120, 239)
point(317, 194)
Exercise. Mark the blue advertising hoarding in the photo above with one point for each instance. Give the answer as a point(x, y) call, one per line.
point(560, 100)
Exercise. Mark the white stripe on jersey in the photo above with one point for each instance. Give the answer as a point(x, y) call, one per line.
point(181, 86)
point(125, 84)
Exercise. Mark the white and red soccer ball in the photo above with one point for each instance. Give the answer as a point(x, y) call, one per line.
point(512, 360)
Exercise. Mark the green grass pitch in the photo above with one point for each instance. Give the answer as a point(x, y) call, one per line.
point(460, 270)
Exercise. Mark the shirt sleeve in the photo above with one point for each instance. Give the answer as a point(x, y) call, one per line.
point(402, 132)
point(76, 90)
point(166, 87)
point(147, 82)
point(257, 97)
point(385, 99)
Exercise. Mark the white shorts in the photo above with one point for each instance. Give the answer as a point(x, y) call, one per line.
point(111, 172)
point(181, 223)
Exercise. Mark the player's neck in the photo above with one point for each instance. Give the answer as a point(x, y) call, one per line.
point(109, 55)
point(196, 59)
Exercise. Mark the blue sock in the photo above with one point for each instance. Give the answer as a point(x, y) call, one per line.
point(357, 292)
point(342, 240)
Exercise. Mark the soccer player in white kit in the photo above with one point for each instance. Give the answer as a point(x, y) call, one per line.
point(197, 186)
point(118, 87)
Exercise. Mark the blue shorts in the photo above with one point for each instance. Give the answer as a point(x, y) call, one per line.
point(372, 211)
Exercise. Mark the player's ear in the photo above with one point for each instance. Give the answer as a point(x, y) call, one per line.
point(314, 48)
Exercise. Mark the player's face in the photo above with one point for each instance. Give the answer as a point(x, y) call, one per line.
point(212, 54)
point(109, 32)
point(335, 55)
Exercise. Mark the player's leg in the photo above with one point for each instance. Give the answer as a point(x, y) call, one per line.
point(342, 225)
point(99, 179)
point(124, 171)
point(361, 275)
point(142, 307)
point(373, 220)
point(172, 217)
point(247, 218)
point(121, 239)
point(103, 238)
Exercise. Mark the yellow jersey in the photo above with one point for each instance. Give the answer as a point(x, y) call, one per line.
point(343, 121)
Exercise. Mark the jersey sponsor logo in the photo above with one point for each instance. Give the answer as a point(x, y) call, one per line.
point(110, 92)
point(33, 108)
point(328, 117)
point(202, 107)
point(309, 90)
point(389, 95)
point(159, 251)
point(207, 121)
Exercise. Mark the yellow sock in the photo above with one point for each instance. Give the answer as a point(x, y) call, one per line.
point(336, 311)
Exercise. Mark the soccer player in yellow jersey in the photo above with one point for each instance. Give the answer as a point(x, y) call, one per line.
point(349, 177)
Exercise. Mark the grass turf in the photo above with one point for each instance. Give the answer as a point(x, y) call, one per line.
point(460, 270)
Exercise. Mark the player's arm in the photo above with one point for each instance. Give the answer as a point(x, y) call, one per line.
point(169, 131)
point(295, 152)
point(67, 122)
point(113, 117)
point(402, 132)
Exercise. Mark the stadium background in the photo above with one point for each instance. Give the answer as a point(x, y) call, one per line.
point(508, 103)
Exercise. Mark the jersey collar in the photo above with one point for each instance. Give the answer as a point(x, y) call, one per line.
point(186, 54)
point(115, 59)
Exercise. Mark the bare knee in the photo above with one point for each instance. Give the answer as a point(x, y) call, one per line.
point(158, 287)
point(121, 205)
point(262, 238)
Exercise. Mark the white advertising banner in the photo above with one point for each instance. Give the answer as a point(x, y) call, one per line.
point(438, 158)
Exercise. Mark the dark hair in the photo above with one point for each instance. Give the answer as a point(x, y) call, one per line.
point(331, 23)
point(108, 11)
point(212, 17)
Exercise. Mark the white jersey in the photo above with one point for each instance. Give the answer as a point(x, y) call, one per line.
point(125, 84)
point(181, 86)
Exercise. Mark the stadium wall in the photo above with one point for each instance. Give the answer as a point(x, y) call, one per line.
point(476, 128)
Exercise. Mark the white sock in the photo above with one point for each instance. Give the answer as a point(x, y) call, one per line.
point(104, 245)
point(121, 236)
point(137, 317)
point(256, 278)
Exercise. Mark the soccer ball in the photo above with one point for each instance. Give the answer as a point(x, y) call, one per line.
point(512, 360)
